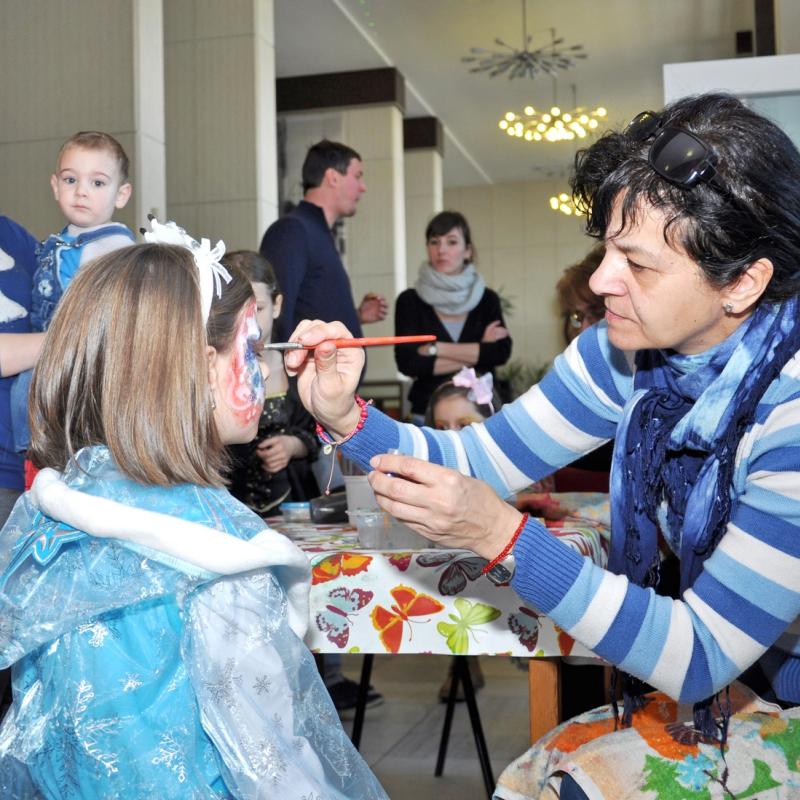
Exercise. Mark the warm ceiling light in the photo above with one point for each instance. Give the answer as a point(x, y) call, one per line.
point(553, 126)
point(564, 203)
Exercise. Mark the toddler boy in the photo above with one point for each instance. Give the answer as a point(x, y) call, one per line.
point(90, 182)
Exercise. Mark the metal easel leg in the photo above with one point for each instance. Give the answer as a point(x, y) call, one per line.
point(361, 700)
point(461, 675)
point(448, 719)
point(475, 719)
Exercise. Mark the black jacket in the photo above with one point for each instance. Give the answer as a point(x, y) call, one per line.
point(412, 315)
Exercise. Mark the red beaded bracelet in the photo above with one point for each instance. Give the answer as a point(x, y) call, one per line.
point(331, 444)
point(507, 549)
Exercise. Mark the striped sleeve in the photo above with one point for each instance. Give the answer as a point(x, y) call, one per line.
point(745, 599)
point(747, 596)
point(572, 411)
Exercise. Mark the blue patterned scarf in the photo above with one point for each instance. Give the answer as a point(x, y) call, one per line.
point(675, 452)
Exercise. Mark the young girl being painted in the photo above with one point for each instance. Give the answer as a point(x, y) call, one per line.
point(154, 624)
point(276, 465)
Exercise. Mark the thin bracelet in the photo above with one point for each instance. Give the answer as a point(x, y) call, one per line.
point(330, 445)
point(507, 549)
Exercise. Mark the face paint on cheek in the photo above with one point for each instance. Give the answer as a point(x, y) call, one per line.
point(245, 385)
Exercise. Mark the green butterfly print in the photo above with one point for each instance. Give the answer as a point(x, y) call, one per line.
point(470, 615)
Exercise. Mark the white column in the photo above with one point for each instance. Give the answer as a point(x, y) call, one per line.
point(220, 115)
point(376, 236)
point(423, 178)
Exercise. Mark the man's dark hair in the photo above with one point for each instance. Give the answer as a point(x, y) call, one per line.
point(756, 215)
point(323, 156)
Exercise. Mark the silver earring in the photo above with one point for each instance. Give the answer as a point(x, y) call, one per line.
point(213, 401)
point(728, 308)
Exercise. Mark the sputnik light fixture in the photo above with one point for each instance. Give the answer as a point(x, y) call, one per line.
point(516, 63)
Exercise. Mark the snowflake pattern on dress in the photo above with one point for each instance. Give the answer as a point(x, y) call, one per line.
point(224, 684)
point(170, 755)
point(130, 682)
point(268, 761)
point(98, 630)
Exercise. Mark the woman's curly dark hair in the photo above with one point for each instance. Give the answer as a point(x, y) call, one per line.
point(757, 216)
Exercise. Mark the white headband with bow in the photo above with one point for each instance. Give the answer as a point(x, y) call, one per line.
point(210, 271)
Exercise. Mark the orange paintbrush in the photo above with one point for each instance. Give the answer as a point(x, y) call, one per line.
point(367, 341)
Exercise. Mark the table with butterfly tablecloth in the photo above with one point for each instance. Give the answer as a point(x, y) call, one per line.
point(437, 601)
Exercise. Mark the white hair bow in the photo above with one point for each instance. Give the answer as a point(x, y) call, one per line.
point(210, 271)
point(480, 389)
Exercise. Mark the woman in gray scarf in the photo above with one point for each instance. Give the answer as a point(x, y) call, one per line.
point(450, 300)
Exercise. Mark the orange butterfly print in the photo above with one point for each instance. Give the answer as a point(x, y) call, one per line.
point(409, 603)
point(565, 641)
point(331, 567)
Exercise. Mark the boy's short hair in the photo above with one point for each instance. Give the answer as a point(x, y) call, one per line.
point(323, 156)
point(97, 140)
point(104, 378)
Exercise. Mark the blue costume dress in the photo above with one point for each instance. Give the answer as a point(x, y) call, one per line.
point(159, 654)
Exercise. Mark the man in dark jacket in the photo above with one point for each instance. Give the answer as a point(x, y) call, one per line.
point(301, 248)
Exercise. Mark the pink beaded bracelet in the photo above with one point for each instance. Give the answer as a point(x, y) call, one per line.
point(331, 444)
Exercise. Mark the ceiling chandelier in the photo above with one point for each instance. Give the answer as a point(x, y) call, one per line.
point(566, 205)
point(553, 125)
point(525, 62)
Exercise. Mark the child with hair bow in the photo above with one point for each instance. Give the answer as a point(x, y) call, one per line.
point(464, 399)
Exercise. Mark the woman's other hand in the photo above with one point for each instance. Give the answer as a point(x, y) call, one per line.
point(277, 451)
point(443, 505)
point(326, 377)
point(494, 332)
point(373, 308)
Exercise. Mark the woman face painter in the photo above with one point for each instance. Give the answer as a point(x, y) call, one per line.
point(693, 372)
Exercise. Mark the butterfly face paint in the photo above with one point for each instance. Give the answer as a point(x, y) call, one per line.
point(243, 384)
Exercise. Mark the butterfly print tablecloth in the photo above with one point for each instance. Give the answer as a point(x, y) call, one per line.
point(431, 601)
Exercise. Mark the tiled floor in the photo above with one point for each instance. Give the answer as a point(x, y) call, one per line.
point(401, 738)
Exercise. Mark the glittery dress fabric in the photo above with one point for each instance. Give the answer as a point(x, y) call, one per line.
point(138, 674)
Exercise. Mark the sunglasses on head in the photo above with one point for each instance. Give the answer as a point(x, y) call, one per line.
point(675, 154)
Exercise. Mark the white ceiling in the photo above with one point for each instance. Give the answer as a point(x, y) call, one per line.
point(627, 42)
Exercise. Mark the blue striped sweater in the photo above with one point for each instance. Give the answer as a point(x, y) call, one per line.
point(747, 597)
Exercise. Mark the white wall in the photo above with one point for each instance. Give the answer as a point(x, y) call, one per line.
point(47, 50)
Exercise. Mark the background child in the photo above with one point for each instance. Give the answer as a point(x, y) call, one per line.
point(90, 182)
point(276, 465)
point(464, 399)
